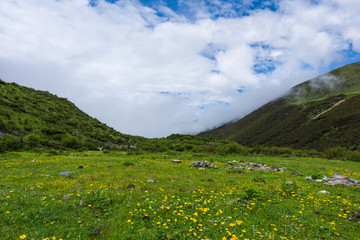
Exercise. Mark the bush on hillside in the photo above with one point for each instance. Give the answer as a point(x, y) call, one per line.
point(10, 143)
point(32, 140)
point(354, 156)
point(335, 152)
point(71, 142)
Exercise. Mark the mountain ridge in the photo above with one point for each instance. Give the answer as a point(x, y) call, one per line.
point(33, 118)
point(289, 120)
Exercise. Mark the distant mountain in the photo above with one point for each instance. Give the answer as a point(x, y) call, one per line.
point(320, 113)
point(31, 118)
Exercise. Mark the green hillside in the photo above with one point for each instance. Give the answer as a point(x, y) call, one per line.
point(320, 113)
point(31, 118)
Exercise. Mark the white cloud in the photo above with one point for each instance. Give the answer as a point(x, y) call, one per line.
point(149, 75)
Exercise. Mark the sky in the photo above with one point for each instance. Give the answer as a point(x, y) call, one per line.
point(155, 67)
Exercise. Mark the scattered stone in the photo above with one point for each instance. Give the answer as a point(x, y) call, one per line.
point(339, 176)
point(65, 197)
point(254, 165)
point(210, 180)
point(96, 231)
point(274, 167)
point(150, 180)
point(308, 178)
point(131, 186)
point(33, 160)
point(146, 218)
point(176, 161)
point(289, 183)
point(264, 168)
point(324, 192)
point(65, 173)
point(238, 167)
point(203, 165)
point(341, 179)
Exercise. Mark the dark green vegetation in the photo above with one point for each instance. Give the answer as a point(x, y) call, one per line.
point(307, 118)
point(37, 119)
point(110, 197)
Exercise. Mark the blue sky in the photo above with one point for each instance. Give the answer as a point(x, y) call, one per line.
point(155, 67)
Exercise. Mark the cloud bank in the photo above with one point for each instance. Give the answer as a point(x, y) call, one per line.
point(154, 70)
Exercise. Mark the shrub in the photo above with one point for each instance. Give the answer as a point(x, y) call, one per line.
point(10, 143)
point(250, 193)
point(71, 142)
point(316, 176)
point(335, 152)
point(32, 140)
point(354, 156)
point(128, 163)
point(90, 144)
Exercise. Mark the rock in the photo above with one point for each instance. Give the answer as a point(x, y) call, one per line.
point(289, 183)
point(65, 173)
point(81, 166)
point(96, 231)
point(176, 161)
point(352, 219)
point(238, 167)
point(339, 181)
point(255, 165)
point(146, 218)
point(65, 197)
point(210, 180)
point(319, 180)
point(33, 160)
point(264, 168)
point(131, 186)
point(308, 178)
point(275, 167)
point(316, 212)
point(339, 176)
point(150, 180)
point(324, 192)
point(203, 164)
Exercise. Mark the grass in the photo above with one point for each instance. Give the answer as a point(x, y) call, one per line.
point(110, 198)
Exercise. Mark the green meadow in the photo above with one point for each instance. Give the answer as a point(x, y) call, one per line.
point(116, 195)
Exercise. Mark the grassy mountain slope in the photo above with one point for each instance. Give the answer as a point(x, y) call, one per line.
point(290, 121)
point(38, 118)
